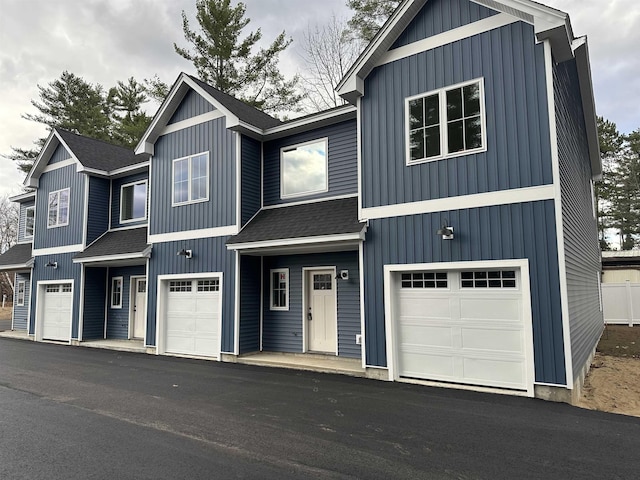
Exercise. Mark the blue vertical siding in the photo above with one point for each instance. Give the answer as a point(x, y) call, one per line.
point(22, 221)
point(581, 246)
point(439, 16)
point(65, 177)
point(95, 294)
point(98, 220)
point(116, 190)
point(118, 318)
point(209, 255)
point(342, 162)
point(21, 314)
point(525, 230)
point(67, 270)
point(282, 330)
point(518, 146)
point(220, 209)
point(192, 105)
point(60, 154)
point(249, 304)
point(250, 178)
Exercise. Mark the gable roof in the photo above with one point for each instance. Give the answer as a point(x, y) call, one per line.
point(91, 155)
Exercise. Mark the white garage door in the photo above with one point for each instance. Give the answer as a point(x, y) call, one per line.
point(56, 312)
point(191, 325)
point(463, 327)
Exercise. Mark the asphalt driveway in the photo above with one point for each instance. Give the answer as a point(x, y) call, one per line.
point(69, 412)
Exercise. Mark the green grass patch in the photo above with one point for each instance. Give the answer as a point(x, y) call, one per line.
point(620, 341)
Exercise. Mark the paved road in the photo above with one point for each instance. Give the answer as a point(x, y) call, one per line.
point(69, 412)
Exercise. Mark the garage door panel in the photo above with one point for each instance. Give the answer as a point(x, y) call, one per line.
point(492, 340)
point(440, 367)
point(415, 305)
point(498, 373)
point(497, 308)
point(56, 312)
point(425, 335)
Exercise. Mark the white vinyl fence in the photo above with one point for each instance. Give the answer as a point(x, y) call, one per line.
point(621, 303)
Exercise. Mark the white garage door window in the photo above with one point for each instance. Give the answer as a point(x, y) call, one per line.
point(56, 312)
point(192, 318)
point(462, 326)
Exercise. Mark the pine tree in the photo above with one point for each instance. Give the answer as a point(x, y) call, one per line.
point(129, 121)
point(369, 16)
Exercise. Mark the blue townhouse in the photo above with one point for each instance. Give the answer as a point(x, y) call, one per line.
point(438, 228)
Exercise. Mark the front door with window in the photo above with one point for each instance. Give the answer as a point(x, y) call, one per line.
point(322, 329)
point(139, 307)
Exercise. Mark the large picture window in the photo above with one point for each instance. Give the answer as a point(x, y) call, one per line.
point(133, 202)
point(58, 208)
point(446, 123)
point(303, 169)
point(29, 221)
point(280, 289)
point(191, 179)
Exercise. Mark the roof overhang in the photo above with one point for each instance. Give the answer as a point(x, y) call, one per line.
point(18, 266)
point(23, 197)
point(328, 243)
point(318, 120)
point(50, 145)
point(124, 259)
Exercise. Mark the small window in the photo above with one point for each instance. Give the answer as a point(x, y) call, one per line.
point(445, 123)
point(58, 208)
point(191, 179)
point(180, 286)
point(303, 169)
point(488, 279)
point(280, 289)
point(52, 288)
point(425, 280)
point(66, 288)
point(20, 294)
point(29, 221)
point(208, 285)
point(322, 281)
point(133, 202)
point(116, 292)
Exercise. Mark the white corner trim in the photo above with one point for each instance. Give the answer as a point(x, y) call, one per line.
point(460, 33)
point(36, 252)
point(489, 199)
point(359, 154)
point(363, 349)
point(191, 122)
point(238, 179)
point(562, 264)
point(236, 309)
point(193, 234)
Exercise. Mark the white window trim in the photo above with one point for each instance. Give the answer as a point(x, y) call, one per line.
point(58, 192)
point(20, 301)
point(133, 184)
point(288, 148)
point(444, 140)
point(173, 175)
point(113, 281)
point(26, 215)
point(271, 305)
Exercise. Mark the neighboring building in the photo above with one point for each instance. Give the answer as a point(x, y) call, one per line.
point(438, 228)
point(621, 287)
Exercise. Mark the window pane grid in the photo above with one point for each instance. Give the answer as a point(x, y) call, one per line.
point(488, 279)
point(208, 285)
point(425, 280)
point(322, 282)
point(180, 286)
point(279, 289)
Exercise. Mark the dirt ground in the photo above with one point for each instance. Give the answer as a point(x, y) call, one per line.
point(613, 383)
point(5, 313)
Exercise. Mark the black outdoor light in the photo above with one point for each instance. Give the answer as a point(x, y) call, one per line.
point(445, 230)
point(185, 253)
point(51, 263)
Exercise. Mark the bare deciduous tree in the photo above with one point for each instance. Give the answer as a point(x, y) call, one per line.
point(9, 213)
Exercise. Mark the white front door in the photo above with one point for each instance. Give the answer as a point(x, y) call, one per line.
point(139, 307)
point(56, 311)
point(322, 325)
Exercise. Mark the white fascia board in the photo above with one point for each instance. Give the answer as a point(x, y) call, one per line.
point(40, 163)
point(146, 253)
point(21, 197)
point(92, 171)
point(329, 117)
point(129, 169)
point(57, 250)
point(17, 266)
point(193, 234)
point(192, 122)
point(290, 242)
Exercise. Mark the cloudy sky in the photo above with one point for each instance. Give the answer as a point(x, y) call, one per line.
point(108, 40)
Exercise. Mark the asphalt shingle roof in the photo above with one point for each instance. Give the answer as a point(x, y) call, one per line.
point(100, 155)
point(244, 112)
point(19, 254)
point(333, 217)
point(120, 242)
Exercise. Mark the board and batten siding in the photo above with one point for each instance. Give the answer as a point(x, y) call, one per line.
point(250, 178)
point(65, 271)
point(209, 255)
point(249, 304)
point(517, 120)
point(523, 230)
point(282, 330)
point(342, 159)
point(191, 106)
point(220, 209)
point(21, 313)
point(581, 244)
point(71, 234)
point(60, 154)
point(118, 318)
point(98, 219)
point(441, 16)
point(95, 296)
point(22, 221)
point(116, 190)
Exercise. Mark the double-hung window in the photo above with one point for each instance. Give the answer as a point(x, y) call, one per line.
point(191, 179)
point(58, 208)
point(133, 202)
point(303, 169)
point(20, 293)
point(116, 292)
point(280, 289)
point(446, 123)
point(29, 221)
